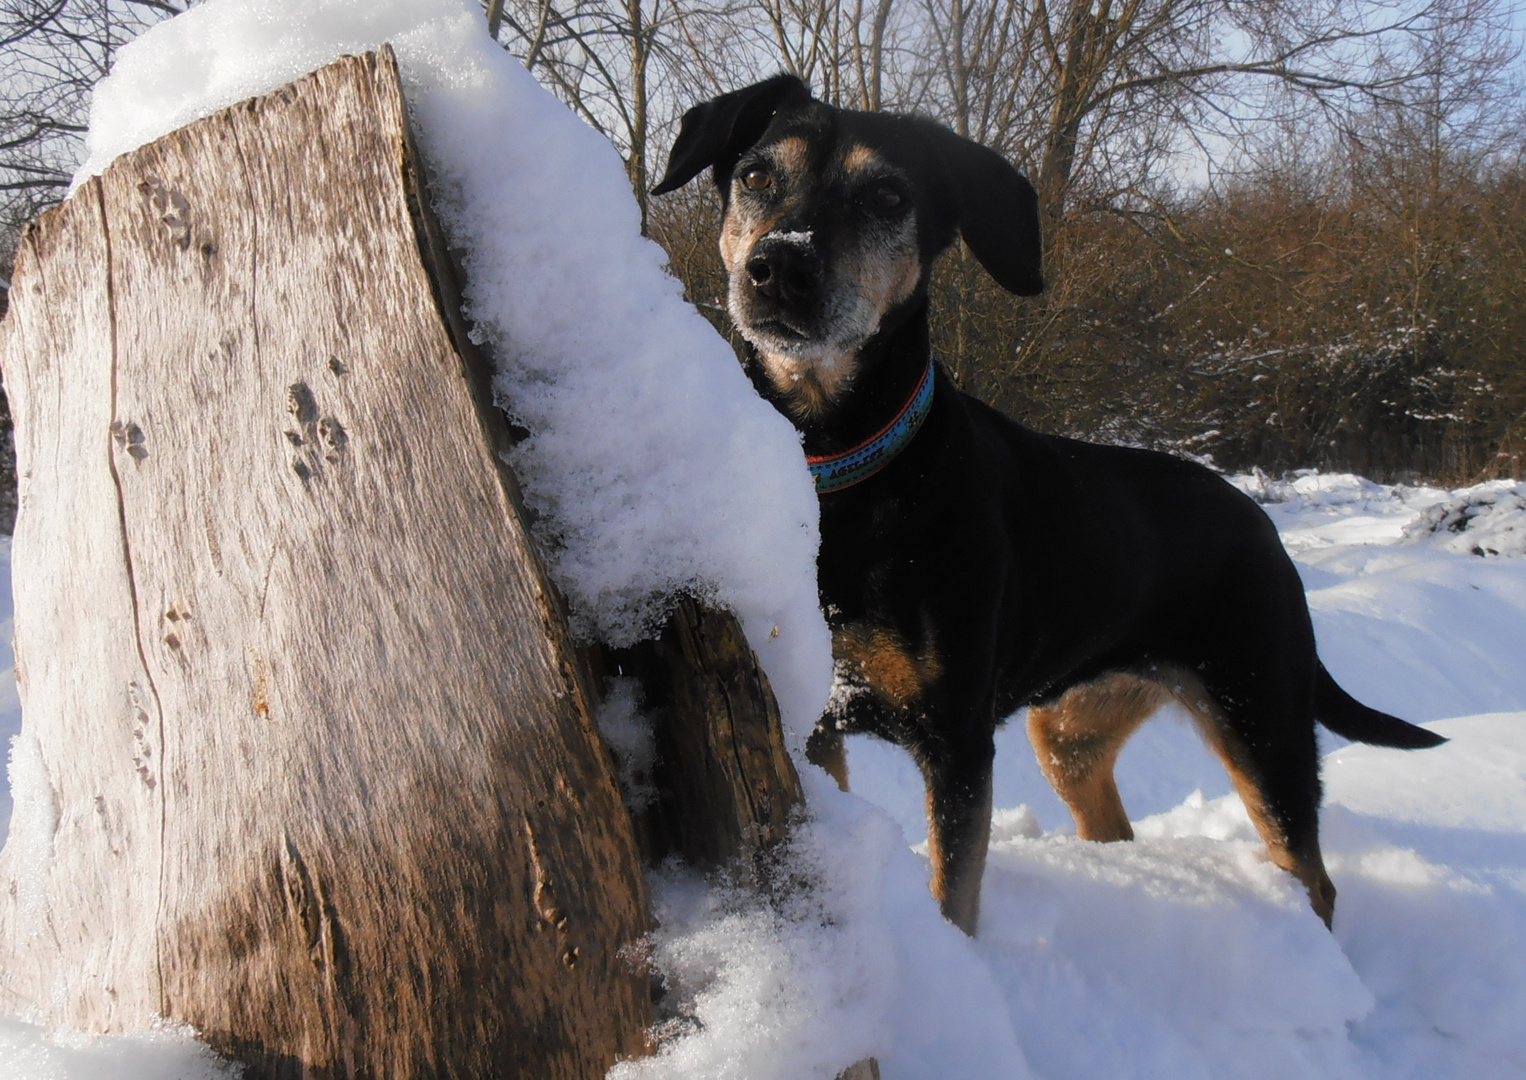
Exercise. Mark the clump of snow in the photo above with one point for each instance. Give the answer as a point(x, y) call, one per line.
point(1015, 823)
point(653, 463)
point(628, 733)
point(773, 984)
point(1309, 487)
point(167, 1052)
point(841, 956)
point(221, 52)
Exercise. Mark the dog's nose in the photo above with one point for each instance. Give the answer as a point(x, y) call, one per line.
point(784, 271)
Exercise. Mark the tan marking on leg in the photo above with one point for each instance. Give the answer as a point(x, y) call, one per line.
point(1077, 739)
point(878, 658)
point(825, 750)
point(1307, 866)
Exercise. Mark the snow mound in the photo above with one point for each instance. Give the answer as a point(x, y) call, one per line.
point(1429, 853)
point(1307, 488)
point(1177, 955)
point(1187, 954)
point(1476, 781)
point(1487, 520)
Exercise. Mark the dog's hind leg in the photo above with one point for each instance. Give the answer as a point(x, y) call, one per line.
point(1076, 739)
point(1271, 755)
point(959, 828)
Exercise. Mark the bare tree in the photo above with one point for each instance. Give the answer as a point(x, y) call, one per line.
point(1098, 91)
point(840, 51)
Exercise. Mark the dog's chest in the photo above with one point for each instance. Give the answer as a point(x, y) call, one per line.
point(866, 555)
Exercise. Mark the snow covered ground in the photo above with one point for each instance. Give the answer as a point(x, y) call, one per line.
point(1184, 954)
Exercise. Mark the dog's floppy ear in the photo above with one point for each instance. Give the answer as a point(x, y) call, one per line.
point(718, 131)
point(998, 212)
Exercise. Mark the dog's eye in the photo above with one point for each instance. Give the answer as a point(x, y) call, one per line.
point(757, 179)
point(885, 197)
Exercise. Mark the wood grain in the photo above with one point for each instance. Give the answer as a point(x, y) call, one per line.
point(319, 750)
point(725, 783)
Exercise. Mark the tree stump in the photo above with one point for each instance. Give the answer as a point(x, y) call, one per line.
point(309, 756)
point(725, 785)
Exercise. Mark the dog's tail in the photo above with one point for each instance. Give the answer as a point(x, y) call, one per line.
point(1350, 719)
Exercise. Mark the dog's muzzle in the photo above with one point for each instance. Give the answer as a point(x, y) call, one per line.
point(786, 268)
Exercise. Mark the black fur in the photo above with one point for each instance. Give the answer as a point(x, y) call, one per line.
point(1010, 565)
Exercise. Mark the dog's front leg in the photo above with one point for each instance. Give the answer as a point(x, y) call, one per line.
point(959, 828)
point(826, 751)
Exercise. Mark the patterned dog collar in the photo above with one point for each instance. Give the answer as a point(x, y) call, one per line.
point(833, 472)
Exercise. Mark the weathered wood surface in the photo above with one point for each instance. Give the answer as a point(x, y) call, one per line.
point(321, 774)
point(726, 786)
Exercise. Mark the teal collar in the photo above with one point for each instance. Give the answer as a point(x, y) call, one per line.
point(833, 472)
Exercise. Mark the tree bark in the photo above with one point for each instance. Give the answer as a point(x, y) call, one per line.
point(308, 754)
point(726, 787)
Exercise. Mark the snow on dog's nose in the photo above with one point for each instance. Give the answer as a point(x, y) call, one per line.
point(786, 266)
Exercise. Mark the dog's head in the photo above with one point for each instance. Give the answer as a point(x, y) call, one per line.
point(833, 219)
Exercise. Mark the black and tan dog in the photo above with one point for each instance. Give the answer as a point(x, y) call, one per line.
point(968, 565)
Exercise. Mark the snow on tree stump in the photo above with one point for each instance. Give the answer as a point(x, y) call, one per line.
point(307, 758)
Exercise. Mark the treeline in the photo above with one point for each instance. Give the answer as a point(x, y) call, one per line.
point(1351, 312)
point(1281, 233)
